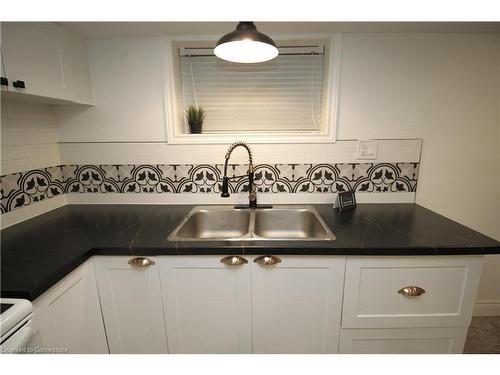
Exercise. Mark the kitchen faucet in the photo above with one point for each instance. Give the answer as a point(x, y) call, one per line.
point(252, 194)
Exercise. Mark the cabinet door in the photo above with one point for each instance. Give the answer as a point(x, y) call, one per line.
point(297, 305)
point(32, 53)
point(207, 305)
point(76, 68)
point(68, 315)
point(131, 305)
point(447, 340)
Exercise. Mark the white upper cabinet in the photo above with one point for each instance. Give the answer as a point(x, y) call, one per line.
point(297, 304)
point(76, 67)
point(45, 61)
point(131, 304)
point(207, 305)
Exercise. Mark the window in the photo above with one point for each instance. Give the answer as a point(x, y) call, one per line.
point(289, 99)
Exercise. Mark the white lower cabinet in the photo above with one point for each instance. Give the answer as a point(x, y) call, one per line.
point(67, 318)
point(436, 340)
point(297, 304)
point(408, 304)
point(207, 305)
point(131, 302)
point(293, 306)
point(287, 304)
point(374, 295)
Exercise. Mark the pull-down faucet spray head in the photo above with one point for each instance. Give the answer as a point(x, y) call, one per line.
point(252, 196)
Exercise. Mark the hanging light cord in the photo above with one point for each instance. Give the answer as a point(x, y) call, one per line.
point(192, 81)
point(3, 62)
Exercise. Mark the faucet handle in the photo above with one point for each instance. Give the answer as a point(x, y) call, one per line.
point(225, 187)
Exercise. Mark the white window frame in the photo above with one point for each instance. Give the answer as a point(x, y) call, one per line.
point(176, 135)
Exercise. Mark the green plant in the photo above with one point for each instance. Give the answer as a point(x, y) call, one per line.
point(194, 114)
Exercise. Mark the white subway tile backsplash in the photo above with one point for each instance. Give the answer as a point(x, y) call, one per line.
point(137, 153)
point(348, 146)
point(315, 157)
point(29, 137)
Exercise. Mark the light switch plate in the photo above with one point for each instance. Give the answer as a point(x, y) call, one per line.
point(367, 149)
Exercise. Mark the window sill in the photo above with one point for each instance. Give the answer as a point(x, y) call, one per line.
point(262, 138)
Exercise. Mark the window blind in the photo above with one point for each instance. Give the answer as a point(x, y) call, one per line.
point(280, 95)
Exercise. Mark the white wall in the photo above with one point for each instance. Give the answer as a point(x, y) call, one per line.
point(443, 88)
point(29, 137)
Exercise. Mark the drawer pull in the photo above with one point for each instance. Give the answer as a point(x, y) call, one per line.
point(266, 260)
point(411, 291)
point(140, 262)
point(233, 260)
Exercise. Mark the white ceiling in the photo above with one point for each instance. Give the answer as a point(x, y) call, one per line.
point(138, 29)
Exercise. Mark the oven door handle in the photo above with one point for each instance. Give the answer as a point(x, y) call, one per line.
point(18, 341)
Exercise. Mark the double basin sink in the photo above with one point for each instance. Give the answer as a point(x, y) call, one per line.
point(225, 223)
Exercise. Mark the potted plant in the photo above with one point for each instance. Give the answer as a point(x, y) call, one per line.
point(194, 115)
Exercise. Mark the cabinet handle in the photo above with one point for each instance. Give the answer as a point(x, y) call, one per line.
point(411, 291)
point(19, 84)
point(233, 260)
point(140, 262)
point(267, 260)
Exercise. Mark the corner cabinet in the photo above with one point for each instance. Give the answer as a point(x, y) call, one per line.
point(131, 302)
point(44, 62)
point(68, 318)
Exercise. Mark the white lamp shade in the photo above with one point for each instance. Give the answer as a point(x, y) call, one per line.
point(246, 51)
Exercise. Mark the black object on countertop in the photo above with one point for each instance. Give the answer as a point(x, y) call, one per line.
point(346, 200)
point(37, 253)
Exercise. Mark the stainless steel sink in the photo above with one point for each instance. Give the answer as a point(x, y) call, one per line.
point(214, 223)
point(282, 223)
point(291, 224)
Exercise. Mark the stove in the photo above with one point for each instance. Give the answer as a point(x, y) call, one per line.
point(15, 324)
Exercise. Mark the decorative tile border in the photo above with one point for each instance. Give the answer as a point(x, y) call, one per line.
point(25, 188)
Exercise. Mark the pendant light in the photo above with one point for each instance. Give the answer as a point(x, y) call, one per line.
point(246, 45)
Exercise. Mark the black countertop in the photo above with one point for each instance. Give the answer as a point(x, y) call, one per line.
point(39, 252)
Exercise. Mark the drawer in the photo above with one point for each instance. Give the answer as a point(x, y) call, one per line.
point(372, 300)
point(448, 340)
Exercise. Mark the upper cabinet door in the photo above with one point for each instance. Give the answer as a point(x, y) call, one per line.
point(32, 53)
point(297, 304)
point(76, 67)
point(131, 305)
point(207, 305)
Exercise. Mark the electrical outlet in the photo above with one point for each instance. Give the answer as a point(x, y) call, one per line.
point(367, 149)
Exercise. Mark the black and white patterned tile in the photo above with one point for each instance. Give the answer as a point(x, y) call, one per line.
point(25, 188)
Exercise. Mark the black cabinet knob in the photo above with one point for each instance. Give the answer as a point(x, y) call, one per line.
point(19, 84)
point(4, 81)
